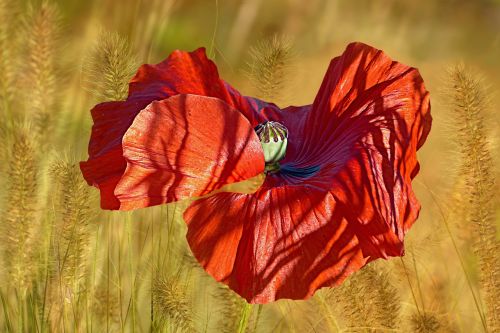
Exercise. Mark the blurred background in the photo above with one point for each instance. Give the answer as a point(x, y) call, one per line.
point(68, 266)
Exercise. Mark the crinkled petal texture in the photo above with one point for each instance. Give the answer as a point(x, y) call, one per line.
point(144, 152)
point(193, 73)
point(343, 196)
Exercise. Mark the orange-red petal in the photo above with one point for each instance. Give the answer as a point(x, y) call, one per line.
point(176, 148)
point(105, 165)
point(345, 197)
point(181, 73)
point(193, 73)
point(281, 242)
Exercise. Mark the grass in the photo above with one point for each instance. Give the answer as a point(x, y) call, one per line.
point(67, 266)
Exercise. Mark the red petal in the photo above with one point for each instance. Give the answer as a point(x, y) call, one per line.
point(364, 128)
point(193, 73)
point(180, 73)
point(186, 146)
point(105, 165)
point(301, 232)
point(364, 82)
point(283, 242)
point(176, 148)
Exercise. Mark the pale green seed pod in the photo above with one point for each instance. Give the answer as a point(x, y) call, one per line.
point(274, 139)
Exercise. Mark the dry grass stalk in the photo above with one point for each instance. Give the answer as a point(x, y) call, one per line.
point(72, 228)
point(42, 27)
point(109, 67)
point(6, 140)
point(425, 323)
point(71, 236)
point(171, 304)
point(459, 207)
point(469, 102)
point(230, 310)
point(19, 218)
point(106, 309)
point(368, 300)
point(269, 66)
point(7, 15)
point(151, 21)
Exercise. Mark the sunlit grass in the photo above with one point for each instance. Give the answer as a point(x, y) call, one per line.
point(66, 265)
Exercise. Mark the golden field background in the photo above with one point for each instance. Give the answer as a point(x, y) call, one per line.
point(68, 266)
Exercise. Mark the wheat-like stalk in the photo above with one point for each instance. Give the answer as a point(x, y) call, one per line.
point(109, 67)
point(70, 239)
point(72, 225)
point(469, 102)
point(425, 323)
point(171, 303)
point(269, 66)
point(367, 300)
point(7, 22)
point(6, 140)
point(459, 205)
point(42, 25)
point(229, 310)
point(19, 222)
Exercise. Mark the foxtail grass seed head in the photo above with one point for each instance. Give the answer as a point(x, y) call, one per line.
point(19, 219)
point(171, 303)
point(367, 299)
point(109, 67)
point(72, 224)
point(7, 52)
point(42, 32)
point(229, 309)
point(425, 323)
point(468, 99)
point(269, 66)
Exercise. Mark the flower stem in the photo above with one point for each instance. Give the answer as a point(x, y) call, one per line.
point(245, 315)
point(256, 321)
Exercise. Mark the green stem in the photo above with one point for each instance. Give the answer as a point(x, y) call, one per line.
point(94, 270)
point(20, 321)
point(216, 25)
point(108, 269)
point(418, 282)
point(411, 287)
point(259, 310)
point(245, 315)
point(119, 276)
point(131, 274)
point(46, 282)
point(151, 305)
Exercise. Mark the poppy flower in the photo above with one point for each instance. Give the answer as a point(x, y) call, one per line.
point(337, 191)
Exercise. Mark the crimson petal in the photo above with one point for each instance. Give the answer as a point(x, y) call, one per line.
point(344, 195)
point(283, 242)
point(193, 73)
point(180, 73)
point(105, 165)
point(176, 148)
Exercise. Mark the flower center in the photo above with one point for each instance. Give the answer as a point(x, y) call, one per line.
point(273, 137)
